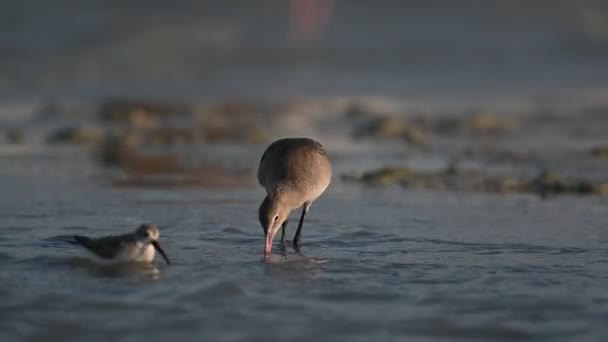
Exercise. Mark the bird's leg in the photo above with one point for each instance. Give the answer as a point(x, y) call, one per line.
point(284, 226)
point(296, 239)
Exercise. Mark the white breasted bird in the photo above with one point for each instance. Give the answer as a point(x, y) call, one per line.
point(139, 246)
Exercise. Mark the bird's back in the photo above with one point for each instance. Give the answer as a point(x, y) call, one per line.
point(105, 247)
point(300, 163)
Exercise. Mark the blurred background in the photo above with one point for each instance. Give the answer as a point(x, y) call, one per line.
point(199, 50)
point(432, 76)
point(427, 84)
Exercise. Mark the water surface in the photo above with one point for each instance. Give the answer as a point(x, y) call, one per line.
point(375, 263)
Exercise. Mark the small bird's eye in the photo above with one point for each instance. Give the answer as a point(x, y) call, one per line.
point(276, 218)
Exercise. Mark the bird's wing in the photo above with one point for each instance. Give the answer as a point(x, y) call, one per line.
point(274, 147)
point(106, 247)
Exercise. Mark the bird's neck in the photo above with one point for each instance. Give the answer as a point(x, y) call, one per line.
point(286, 196)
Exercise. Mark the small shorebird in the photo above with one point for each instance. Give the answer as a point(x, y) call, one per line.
point(294, 172)
point(138, 246)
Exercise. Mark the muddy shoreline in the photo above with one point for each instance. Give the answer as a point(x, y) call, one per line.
point(532, 150)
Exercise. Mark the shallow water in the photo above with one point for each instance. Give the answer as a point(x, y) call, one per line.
point(375, 263)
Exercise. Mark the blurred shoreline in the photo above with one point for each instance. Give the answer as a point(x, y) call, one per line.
point(542, 146)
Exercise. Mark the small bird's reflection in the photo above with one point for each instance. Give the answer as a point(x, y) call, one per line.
point(114, 270)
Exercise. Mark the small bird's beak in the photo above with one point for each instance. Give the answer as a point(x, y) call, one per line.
point(160, 250)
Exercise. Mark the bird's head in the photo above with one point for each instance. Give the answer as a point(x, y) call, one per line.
point(272, 213)
point(149, 233)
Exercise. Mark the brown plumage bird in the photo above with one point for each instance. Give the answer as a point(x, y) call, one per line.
point(294, 172)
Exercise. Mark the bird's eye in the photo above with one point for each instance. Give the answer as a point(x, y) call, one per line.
point(276, 218)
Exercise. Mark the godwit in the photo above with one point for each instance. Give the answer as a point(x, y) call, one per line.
point(294, 172)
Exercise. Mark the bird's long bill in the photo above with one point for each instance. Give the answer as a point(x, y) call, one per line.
point(160, 250)
point(269, 238)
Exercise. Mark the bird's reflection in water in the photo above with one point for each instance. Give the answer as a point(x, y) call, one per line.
point(286, 264)
point(116, 270)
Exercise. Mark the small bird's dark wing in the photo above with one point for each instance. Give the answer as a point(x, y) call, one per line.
point(106, 247)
